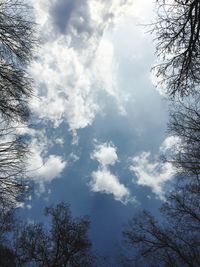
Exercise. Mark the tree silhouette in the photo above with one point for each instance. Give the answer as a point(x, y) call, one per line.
point(175, 241)
point(178, 45)
point(65, 244)
point(7, 225)
point(13, 154)
point(185, 123)
point(161, 246)
point(17, 40)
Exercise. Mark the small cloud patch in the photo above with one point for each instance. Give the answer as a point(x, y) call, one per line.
point(103, 180)
point(154, 173)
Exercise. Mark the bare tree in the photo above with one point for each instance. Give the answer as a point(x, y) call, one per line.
point(175, 239)
point(173, 242)
point(183, 206)
point(185, 123)
point(7, 225)
point(178, 45)
point(13, 154)
point(17, 41)
point(65, 244)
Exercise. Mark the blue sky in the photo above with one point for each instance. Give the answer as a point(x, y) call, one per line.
point(99, 123)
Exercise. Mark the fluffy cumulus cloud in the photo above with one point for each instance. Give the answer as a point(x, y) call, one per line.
point(105, 154)
point(152, 172)
point(106, 182)
point(75, 60)
point(47, 169)
point(43, 167)
point(103, 180)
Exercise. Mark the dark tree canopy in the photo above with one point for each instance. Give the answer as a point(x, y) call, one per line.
point(178, 44)
point(176, 240)
point(7, 255)
point(6, 223)
point(162, 245)
point(65, 244)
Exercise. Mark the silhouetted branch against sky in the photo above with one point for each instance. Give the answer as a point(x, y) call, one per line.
point(18, 39)
point(17, 43)
point(177, 30)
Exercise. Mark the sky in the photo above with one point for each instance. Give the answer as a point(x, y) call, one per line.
point(98, 123)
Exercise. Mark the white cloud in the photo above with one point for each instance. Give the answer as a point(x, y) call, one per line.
point(74, 63)
point(105, 154)
point(103, 180)
point(171, 145)
point(43, 167)
point(150, 174)
point(59, 141)
point(73, 157)
point(105, 72)
point(106, 182)
point(143, 10)
point(154, 173)
point(47, 170)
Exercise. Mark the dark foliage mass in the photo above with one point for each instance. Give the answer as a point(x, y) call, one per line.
point(178, 45)
point(7, 256)
point(64, 243)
